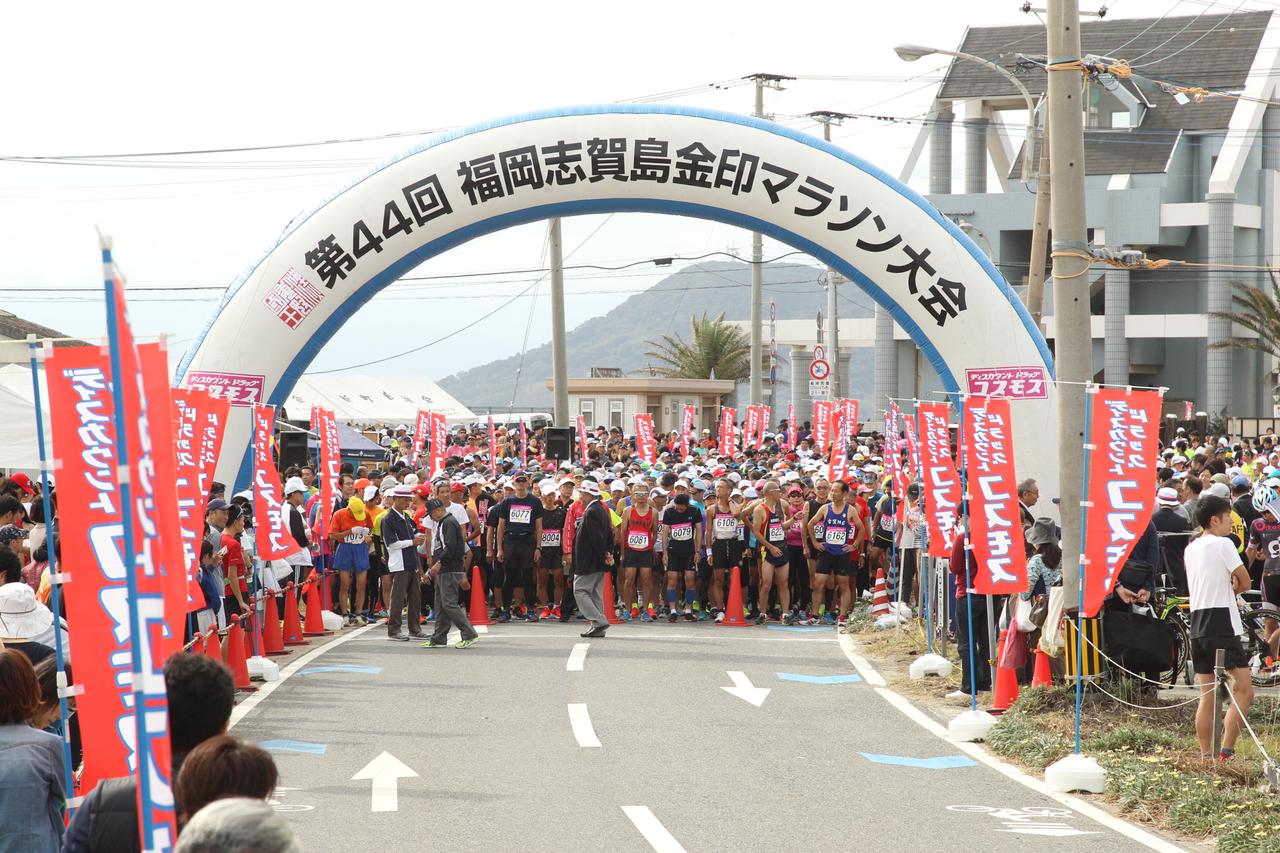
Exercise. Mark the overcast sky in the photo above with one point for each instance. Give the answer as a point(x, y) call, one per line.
point(146, 78)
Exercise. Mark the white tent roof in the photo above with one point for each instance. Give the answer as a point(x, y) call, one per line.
point(372, 398)
point(18, 430)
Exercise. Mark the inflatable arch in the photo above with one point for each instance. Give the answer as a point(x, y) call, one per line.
point(809, 194)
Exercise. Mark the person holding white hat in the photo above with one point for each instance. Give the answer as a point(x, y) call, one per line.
point(295, 494)
point(399, 534)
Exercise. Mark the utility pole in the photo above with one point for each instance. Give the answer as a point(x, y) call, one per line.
point(772, 81)
point(827, 118)
point(1039, 234)
point(1073, 344)
point(559, 365)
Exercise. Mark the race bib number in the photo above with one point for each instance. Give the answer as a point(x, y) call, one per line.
point(551, 539)
point(886, 523)
point(726, 527)
point(356, 536)
point(776, 533)
point(520, 515)
point(682, 532)
point(836, 535)
point(638, 540)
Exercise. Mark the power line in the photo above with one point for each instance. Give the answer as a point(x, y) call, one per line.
point(1220, 22)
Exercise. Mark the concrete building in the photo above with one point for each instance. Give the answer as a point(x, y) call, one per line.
point(1175, 176)
point(608, 398)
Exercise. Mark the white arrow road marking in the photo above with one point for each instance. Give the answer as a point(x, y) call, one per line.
point(384, 771)
point(582, 730)
point(743, 689)
point(652, 830)
point(577, 657)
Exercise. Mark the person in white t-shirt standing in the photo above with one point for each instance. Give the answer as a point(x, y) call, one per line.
point(1215, 575)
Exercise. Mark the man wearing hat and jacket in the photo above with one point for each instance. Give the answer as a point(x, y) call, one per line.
point(448, 547)
point(398, 536)
point(592, 557)
point(1174, 532)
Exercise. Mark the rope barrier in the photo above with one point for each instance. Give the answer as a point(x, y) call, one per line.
point(1245, 719)
point(1209, 688)
point(1116, 664)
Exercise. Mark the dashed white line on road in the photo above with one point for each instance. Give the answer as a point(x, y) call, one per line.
point(577, 657)
point(652, 830)
point(582, 730)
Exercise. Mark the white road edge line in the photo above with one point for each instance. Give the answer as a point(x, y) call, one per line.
point(239, 712)
point(973, 750)
point(582, 730)
point(652, 830)
point(577, 657)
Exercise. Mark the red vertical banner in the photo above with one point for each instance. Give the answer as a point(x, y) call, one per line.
point(421, 430)
point(90, 533)
point(212, 430)
point(167, 554)
point(646, 443)
point(686, 431)
point(524, 444)
point(792, 431)
point(582, 441)
point(913, 447)
point(940, 481)
point(995, 526)
point(751, 428)
point(728, 439)
point(274, 540)
point(147, 732)
point(1188, 410)
point(493, 443)
point(838, 464)
point(1123, 430)
point(822, 426)
point(766, 412)
point(439, 443)
point(330, 464)
point(901, 476)
point(189, 406)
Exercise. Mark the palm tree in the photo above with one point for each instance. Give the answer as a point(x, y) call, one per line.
point(1257, 310)
point(716, 350)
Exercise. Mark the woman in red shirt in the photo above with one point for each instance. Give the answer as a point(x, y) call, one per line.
point(236, 585)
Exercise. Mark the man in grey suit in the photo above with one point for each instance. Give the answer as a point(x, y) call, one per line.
point(448, 546)
point(592, 557)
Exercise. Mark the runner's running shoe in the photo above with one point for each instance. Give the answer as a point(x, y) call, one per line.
point(646, 616)
point(719, 616)
point(672, 616)
point(688, 615)
point(462, 644)
point(545, 614)
point(532, 617)
point(635, 612)
point(504, 615)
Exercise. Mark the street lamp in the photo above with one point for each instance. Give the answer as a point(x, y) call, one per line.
point(912, 52)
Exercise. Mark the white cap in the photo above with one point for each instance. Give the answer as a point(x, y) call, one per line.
point(294, 484)
point(370, 492)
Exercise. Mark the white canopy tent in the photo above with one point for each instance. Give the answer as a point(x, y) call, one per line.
point(368, 399)
point(18, 449)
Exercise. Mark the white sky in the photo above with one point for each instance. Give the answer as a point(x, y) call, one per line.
point(151, 77)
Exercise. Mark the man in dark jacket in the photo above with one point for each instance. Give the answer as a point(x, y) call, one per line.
point(448, 546)
point(201, 694)
point(592, 556)
point(1175, 532)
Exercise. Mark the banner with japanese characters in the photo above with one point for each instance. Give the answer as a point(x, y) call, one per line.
point(822, 426)
point(330, 473)
point(913, 447)
point(849, 409)
point(995, 525)
point(421, 432)
point(751, 428)
point(189, 413)
point(728, 432)
point(582, 442)
point(1188, 410)
point(1123, 429)
point(494, 454)
point(95, 589)
point(524, 444)
point(212, 432)
point(274, 540)
point(792, 430)
point(838, 466)
point(439, 443)
point(646, 443)
point(766, 412)
point(686, 431)
point(940, 481)
point(623, 157)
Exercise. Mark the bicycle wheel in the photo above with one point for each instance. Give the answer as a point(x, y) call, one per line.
point(1179, 654)
point(1256, 648)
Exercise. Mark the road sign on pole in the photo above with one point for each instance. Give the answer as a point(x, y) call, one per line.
point(819, 369)
point(820, 389)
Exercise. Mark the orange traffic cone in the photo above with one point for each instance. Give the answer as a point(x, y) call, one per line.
point(1043, 676)
point(272, 639)
point(1006, 686)
point(733, 614)
point(880, 596)
point(292, 625)
point(213, 644)
point(197, 644)
point(479, 608)
point(610, 601)
point(315, 619)
point(235, 656)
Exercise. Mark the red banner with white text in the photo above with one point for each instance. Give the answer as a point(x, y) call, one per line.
point(646, 443)
point(751, 428)
point(849, 408)
point(939, 480)
point(275, 542)
point(766, 412)
point(822, 426)
point(1123, 429)
point(686, 431)
point(524, 444)
point(838, 465)
point(330, 465)
point(212, 431)
point(995, 525)
point(728, 436)
point(189, 412)
point(439, 443)
point(421, 431)
point(494, 456)
point(582, 441)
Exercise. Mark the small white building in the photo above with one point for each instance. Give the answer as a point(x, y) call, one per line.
point(610, 399)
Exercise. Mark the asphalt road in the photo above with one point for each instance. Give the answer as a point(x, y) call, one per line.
point(681, 763)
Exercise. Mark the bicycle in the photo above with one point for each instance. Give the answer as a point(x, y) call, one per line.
point(1172, 609)
point(1264, 670)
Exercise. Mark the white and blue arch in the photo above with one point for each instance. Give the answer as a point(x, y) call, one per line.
point(244, 336)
